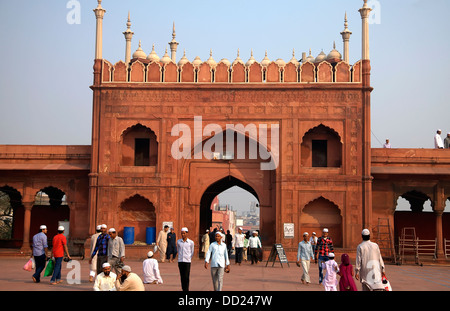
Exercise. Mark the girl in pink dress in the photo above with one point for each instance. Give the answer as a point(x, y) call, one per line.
point(346, 283)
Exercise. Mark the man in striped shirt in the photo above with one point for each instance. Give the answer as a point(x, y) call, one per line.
point(323, 248)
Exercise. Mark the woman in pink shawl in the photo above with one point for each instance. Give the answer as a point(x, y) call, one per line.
point(346, 283)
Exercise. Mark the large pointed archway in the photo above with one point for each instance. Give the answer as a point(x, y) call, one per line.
point(206, 178)
point(212, 192)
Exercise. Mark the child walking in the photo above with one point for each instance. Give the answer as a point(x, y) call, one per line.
point(346, 282)
point(331, 269)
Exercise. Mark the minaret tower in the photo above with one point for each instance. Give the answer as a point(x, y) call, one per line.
point(99, 14)
point(128, 36)
point(174, 45)
point(365, 12)
point(346, 37)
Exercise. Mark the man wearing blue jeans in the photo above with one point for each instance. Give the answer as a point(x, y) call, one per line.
point(59, 247)
point(40, 249)
point(323, 248)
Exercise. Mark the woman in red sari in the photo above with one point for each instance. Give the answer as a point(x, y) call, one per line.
point(346, 282)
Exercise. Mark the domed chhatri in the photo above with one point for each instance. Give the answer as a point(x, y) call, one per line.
point(139, 52)
point(166, 58)
point(183, 60)
point(320, 58)
point(334, 56)
point(266, 61)
point(153, 57)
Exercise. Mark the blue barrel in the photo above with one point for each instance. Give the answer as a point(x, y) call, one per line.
point(150, 235)
point(128, 235)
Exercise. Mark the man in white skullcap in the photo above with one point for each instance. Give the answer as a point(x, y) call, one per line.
point(101, 248)
point(217, 255)
point(116, 250)
point(185, 249)
point(40, 250)
point(254, 244)
point(323, 248)
point(151, 270)
point(447, 141)
point(304, 256)
point(129, 281)
point(238, 245)
point(369, 265)
point(106, 280)
point(438, 144)
point(93, 265)
point(59, 246)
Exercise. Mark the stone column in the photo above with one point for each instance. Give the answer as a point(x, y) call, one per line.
point(365, 12)
point(128, 36)
point(439, 206)
point(26, 227)
point(99, 14)
point(439, 235)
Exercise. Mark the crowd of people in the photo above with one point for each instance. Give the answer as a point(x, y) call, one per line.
point(108, 271)
point(369, 268)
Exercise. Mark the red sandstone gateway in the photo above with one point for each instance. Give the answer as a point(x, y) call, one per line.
point(326, 175)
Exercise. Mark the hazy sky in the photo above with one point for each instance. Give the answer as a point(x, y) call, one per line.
point(45, 97)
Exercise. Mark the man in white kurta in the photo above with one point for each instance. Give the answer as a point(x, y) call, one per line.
point(93, 265)
point(105, 281)
point(238, 245)
point(161, 242)
point(438, 143)
point(369, 265)
point(151, 270)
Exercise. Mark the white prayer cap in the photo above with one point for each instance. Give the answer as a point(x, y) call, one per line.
point(99, 227)
point(218, 232)
point(240, 228)
point(255, 232)
point(150, 254)
point(43, 227)
point(104, 226)
point(314, 233)
point(60, 228)
point(106, 265)
point(305, 233)
point(365, 232)
point(126, 268)
point(325, 230)
point(207, 230)
point(331, 255)
point(112, 230)
point(184, 229)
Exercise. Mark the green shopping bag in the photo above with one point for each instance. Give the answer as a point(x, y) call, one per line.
point(49, 268)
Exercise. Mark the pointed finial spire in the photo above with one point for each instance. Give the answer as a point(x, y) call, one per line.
point(346, 22)
point(174, 34)
point(334, 45)
point(238, 53)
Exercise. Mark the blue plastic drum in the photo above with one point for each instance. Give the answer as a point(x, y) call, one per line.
point(128, 235)
point(150, 235)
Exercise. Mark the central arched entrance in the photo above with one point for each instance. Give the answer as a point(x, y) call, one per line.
point(207, 178)
point(212, 192)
